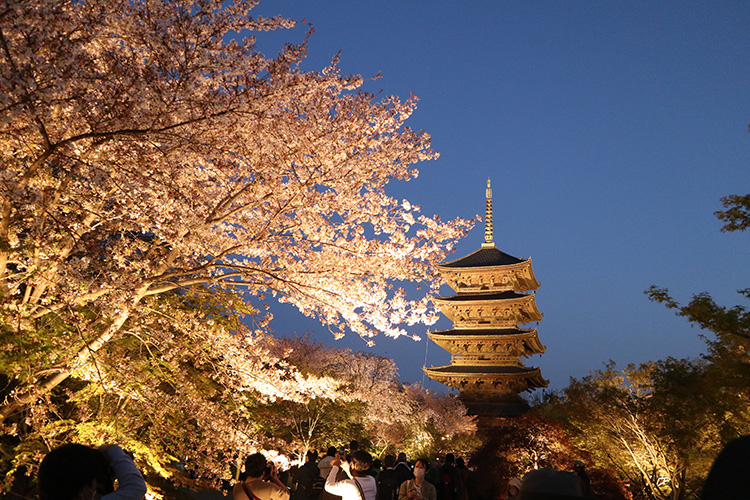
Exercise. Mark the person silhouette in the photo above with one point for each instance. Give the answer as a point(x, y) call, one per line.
point(78, 472)
point(727, 479)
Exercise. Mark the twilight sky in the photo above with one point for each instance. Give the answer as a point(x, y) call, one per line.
point(610, 130)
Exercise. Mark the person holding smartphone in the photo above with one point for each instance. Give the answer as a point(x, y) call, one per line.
point(417, 488)
point(360, 485)
point(261, 482)
point(78, 472)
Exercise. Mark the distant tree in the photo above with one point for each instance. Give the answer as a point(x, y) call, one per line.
point(658, 425)
point(370, 404)
point(207, 398)
point(147, 148)
point(511, 447)
point(182, 382)
point(442, 424)
point(316, 423)
point(719, 395)
point(610, 415)
point(728, 369)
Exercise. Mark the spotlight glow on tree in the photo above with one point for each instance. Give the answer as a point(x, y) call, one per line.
point(146, 150)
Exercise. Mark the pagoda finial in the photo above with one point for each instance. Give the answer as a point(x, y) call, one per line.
point(488, 243)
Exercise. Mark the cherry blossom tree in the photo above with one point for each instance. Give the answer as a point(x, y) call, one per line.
point(207, 397)
point(149, 147)
point(169, 389)
point(372, 405)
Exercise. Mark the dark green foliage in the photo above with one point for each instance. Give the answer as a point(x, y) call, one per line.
point(702, 310)
point(737, 213)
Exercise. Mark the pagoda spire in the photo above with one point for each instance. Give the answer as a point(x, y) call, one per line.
point(488, 243)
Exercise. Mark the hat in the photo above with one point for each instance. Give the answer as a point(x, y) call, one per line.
point(514, 481)
point(550, 484)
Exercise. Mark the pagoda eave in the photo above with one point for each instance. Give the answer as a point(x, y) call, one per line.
point(496, 311)
point(488, 379)
point(518, 276)
point(488, 341)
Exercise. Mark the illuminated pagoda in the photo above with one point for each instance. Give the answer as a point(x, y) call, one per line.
point(494, 295)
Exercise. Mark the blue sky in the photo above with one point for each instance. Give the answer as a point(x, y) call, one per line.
point(610, 131)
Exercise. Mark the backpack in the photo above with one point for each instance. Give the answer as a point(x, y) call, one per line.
point(387, 485)
point(447, 489)
point(318, 484)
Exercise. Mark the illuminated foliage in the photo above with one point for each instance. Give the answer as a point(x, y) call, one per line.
point(511, 447)
point(158, 173)
point(169, 390)
point(372, 406)
point(148, 148)
point(660, 425)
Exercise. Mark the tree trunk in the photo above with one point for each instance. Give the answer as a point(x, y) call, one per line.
point(15, 404)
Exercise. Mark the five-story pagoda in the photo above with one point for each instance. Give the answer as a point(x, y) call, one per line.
point(494, 295)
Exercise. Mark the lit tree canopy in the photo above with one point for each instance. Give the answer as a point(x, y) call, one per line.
point(387, 415)
point(662, 423)
point(146, 149)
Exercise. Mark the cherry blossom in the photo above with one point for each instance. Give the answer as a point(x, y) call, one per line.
point(146, 149)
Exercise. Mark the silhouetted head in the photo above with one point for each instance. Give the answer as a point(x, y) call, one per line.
point(255, 464)
point(422, 462)
point(73, 470)
point(729, 474)
point(361, 462)
point(550, 484)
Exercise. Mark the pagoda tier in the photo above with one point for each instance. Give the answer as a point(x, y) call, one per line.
point(489, 310)
point(490, 346)
point(485, 382)
point(489, 270)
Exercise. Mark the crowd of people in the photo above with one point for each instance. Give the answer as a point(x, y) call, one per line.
point(354, 475)
point(78, 472)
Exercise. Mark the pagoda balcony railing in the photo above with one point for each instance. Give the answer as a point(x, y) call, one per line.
point(479, 360)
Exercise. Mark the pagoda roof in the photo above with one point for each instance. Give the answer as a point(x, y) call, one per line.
point(488, 344)
point(464, 297)
point(489, 310)
point(489, 332)
point(484, 257)
point(484, 379)
point(481, 369)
